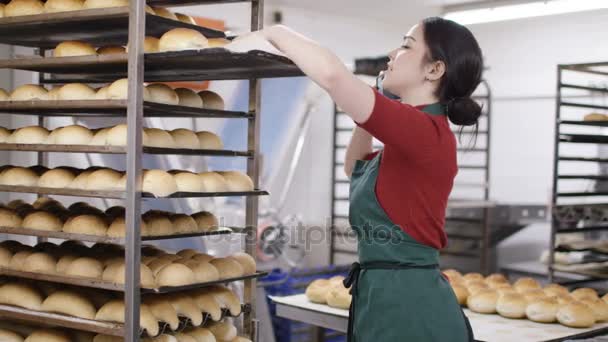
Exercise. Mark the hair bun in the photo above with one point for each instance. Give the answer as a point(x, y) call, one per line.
point(463, 111)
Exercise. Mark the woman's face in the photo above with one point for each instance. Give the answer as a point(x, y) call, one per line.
point(406, 65)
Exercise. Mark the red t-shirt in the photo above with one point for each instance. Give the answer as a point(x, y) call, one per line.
point(417, 168)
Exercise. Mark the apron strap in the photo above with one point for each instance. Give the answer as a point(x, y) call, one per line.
point(353, 278)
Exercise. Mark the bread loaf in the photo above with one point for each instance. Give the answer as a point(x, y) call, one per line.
point(179, 39)
point(237, 181)
point(203, 271)
point(39, 262)
point(85, 267)
point(188, 182)
point(56, 178)
point(483, 301)
point(227, 299)
point(584, 292)
point(542, 310)
point(512, 305)
point(207, 303)
point(162, 93)
point(599, 308)
point(185, 138)
point(111, 50)
point(21, 295)
point(209, 141)
point(159, 183)
point(159, 138)
point(205, 221)
point(29, 92)
point(48, 335)
point(246, 261)
point(118, 228)
point(526, 283)
point(71, 48)
point(74, 135)
point(86, 224)
point(162, 310)
point(76, 91)
point(189, 98)
point(151, 45)
point(338, 297)
point(100, 137)
point(52, 6)
point(8, 218)
point(211, 100)
point(19, 176)
point(69, 303)
point(17, 8)
point(90, 4)
point(185, 306)
point(29, 135)
point(228, 268)
point(213, 182)
point(41, 220)
point(175, 274)
point(104, 179)
point(114, 311)
point(575, 315)
point(183, 224)
point(115, 273)
point(317, 291)
point(119, 90)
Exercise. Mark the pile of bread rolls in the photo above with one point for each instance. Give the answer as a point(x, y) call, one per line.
point(157, 92)
point(329, 291)
point(213, 302)
point(32, 7)
point(106, 262)
point(160, 183)
point(110, 136)
point(81, 218)
point(526, 298)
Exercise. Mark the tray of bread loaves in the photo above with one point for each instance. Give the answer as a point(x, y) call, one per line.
point(46, 217)
point(502, 311)
point(108, 183)
point(41, 24)
point(103, 312)
point(79, 99)
point(103, 266)
point(330, 292)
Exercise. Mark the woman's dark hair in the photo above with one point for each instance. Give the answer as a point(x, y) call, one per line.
point(457, 48)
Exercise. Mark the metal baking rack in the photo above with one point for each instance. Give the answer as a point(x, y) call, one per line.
point(575, 210)
point(124, 26)
point(107, 239)
point(105, 285)
point(110, 108)
point(120, 150)
point(103, 26)
point(206, 64)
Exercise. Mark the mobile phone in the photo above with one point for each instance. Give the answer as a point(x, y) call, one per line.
point(379, 80)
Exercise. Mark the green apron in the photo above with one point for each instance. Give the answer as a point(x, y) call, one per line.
point(398, 291)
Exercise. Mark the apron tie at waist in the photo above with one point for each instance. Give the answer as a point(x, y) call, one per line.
point(353, 278)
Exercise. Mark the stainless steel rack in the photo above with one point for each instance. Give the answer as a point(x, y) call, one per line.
point(129, 25)
point(575, 210)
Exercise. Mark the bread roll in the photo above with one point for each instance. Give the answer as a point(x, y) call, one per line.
point(117, 136)
point(74, 135)
point(111, 50)
point(52, 6)
point(116, 274)
point(205, 221)
point(180, 39)
point(218, 42)
point(483, 301)
point(203, 271)
point(496, 277)
point(185, 138)
point(104, 179)
point(165, 13)
point(227, 299)
point(201, 334)
point(553, 290)
point(599, 308)
point(339, 297)
point(69, 303)
point(188, 182)
point(56, 178)
point(85, 267)
point(39, 263)
point(213, 182)
point(223, 331)
point(584, 292)
point(29, 92)
point(212, 100)
point(185, 306)
point(17, 8)
point(207, 303)
point(119, 89)
point(64, 262)
point(228, 268)
point(8, 218)
point(21, 295)
point(28, 135)
point(151, 45)
point(595, 117)
point(100, 137)
point(158, 225)
point(19, 176)
point(575, 315)
point(90, 4)
point(246, 260)
point(202, 257)
point(118, 228)
point(187, 253)
point(86, 224)
point(4, 133)
point(48, 335)
point(41, 220)
point(159, 183)
point(209, 141)
point(102, 93)
point(317, 291)
point(72, 48)
point(76, 91)
point(9, 336)
point(526, 283)
point(157, 264)
point(162, 310)
point(159, 138)
point(183, 224)
point(189, 98)
point(542, 310)
point(184, 18)
point(175, 275)
point(511, 305)
point(162, 93)
point(237, 181)
point(534, 294)
point(114, 311)
point(18, 260)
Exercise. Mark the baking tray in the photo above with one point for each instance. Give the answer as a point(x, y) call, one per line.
point(104, 285)
point(205, 64)
point(120, 150)
point(104, 26)
point(107, 108)
point(104, 239)
point(100, 327)
point(583, 138)
point(578, 212)
point(120, 194)
point(584, 123)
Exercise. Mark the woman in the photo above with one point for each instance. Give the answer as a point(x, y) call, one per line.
point(398, 195)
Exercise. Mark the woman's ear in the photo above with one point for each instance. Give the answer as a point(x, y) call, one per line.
point(435, 70)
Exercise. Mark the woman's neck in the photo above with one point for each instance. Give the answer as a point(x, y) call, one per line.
point(418, 97)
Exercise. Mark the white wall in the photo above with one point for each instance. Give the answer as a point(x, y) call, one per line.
point(522, 56)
